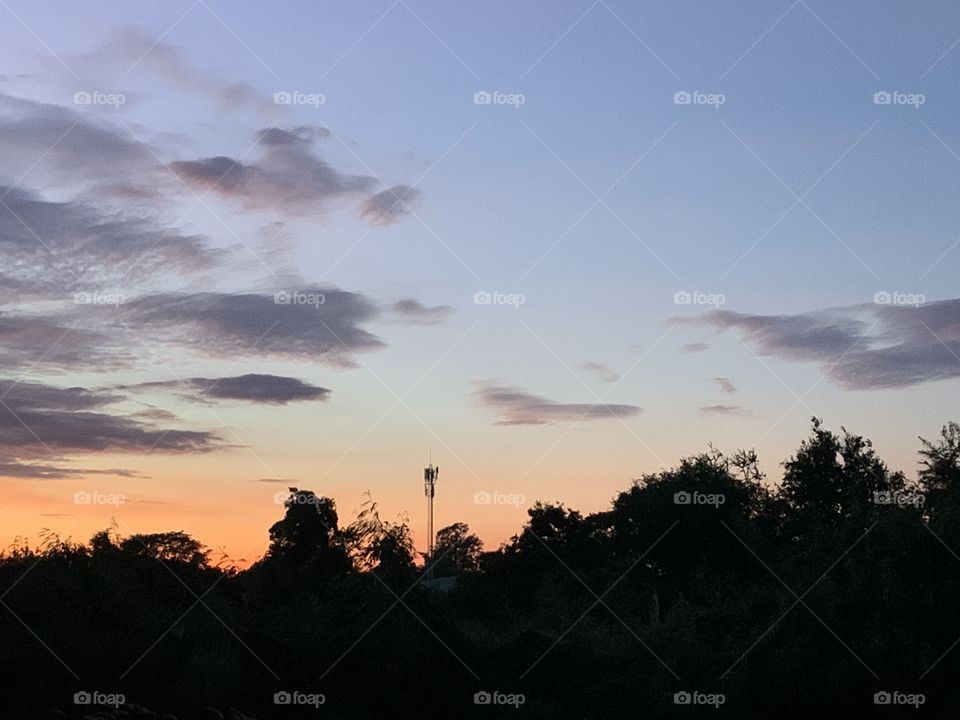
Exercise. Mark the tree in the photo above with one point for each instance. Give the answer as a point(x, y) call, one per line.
point(380, 546)
point(552, 526)
point(169, 546)
point(939, 473)
point(308, 532)
point(686, 521)
point(457, 550)
point(833, 480)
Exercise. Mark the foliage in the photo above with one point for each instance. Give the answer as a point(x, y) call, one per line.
point(796, 599)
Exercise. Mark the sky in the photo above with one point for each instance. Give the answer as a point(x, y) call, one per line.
point(251, 246)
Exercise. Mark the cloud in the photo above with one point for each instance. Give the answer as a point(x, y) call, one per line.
point(280, 481)
point(415, 312)
point(725, 385)
point(155, 414)
point(135, 49)
point(603, 372)
point(390, 205)
point(693, 347)
point(50, 342)
point(868, 346)
point(287, 175)
point(252, 387)
point(55, 248)
point(297, 135)
point(518, 407)
point(39, 421)
point(723, 410)
point(325, 327)
point(34, 471)
point(318, 324)
point(62, 147)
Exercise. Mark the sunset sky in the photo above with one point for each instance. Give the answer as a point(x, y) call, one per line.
point(248, 246)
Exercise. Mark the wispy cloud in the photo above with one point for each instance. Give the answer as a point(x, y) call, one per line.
point(328, 330)
point(516, 406)
point(415, 312)
point(603, 372)
point(252, 387)
point(52, 248)
point(287, 174)
point(725, 385)
point(723, 410)
point(388, 206)
point(46, 422)
point(867, 346)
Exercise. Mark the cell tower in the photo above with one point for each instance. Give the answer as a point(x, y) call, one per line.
point(430, 475)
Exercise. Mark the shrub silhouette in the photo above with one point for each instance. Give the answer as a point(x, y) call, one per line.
point(796, 599)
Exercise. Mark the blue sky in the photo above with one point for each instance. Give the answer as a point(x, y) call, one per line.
point(795, 198)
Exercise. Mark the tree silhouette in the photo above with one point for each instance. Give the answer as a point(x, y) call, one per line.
point(689, 579)
point(832, 480)
point(457, 550)
point(177, 547)
point(939, 473)
point(309, 531)
point(380, 546)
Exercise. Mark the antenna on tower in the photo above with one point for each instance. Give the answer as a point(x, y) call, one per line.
point(430, 475)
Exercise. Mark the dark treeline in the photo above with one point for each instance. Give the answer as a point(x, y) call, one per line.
point(803, 597)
